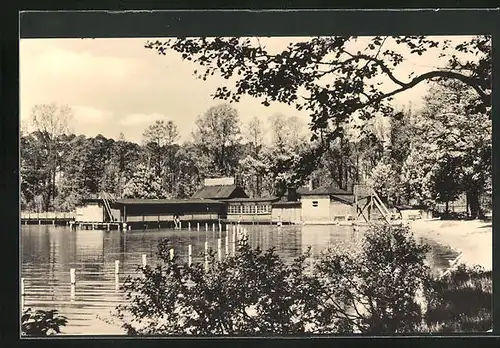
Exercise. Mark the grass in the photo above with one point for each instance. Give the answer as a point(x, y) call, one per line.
point(460, 302)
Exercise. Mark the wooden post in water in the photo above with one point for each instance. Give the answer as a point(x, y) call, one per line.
point(72, 277)
point(180, 225)
point(117, 266)
point(219, 253)
point(227, 245)
point(213, 227)
point(22, 294)
point(171, 254)
point(235, 241)
point(197, 226)
point(206, 227)
point(189, 255)
point(189, 226)
point(144, 260)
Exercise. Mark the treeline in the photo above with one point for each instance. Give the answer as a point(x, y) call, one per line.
point(425, 157)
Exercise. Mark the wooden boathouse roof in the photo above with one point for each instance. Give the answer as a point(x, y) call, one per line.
point(334, 193)
point(219, 192)
point(135, 201)
point(251, 200)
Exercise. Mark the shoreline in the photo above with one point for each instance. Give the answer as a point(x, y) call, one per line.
point(472, 239)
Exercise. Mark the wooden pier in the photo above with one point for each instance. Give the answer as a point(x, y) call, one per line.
point(47, 218)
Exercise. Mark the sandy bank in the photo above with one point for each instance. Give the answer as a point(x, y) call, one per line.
point(472, 238)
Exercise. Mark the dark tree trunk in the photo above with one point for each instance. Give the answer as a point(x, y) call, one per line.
point(473, 201)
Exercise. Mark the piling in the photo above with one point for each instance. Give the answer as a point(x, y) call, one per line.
point(22, 294)
point(213, 227)
point(227, 244)
point(144, 260)
point(220, 228)
point(197, 226)
point(189, 226)
point(171, 254)
point(189, 254)
point(117, 266)
point(180, 225)
point(206, 227)
point(72, 276)
point(73, 292)
point(117, 282)
point(219, 253)
point(124, 227)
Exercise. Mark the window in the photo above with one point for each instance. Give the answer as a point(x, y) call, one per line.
point(315, 203)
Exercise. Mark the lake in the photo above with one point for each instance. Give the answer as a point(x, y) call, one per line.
point(49, 252)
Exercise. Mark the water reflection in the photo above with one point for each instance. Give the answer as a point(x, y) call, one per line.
point(48, 253)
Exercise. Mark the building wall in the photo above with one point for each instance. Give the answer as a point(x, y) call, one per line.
point(287, 214)
point(339, 210)
point(90, 212)
point(315, 208)
point(170, 217)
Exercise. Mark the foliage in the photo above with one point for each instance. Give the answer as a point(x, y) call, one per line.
point(385, 181)
point(461, 301)
point(41, 322)
point(217, 135)
point(374, 286)
point(371, 288)
point(334, 78)
point(451, 149)
point(144, 184)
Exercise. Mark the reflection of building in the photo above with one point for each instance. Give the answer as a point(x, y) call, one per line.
point(327, 204)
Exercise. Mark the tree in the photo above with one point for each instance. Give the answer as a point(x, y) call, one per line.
point(385, 181)
point(454, 145)
point(333, 77)
point(159, 139)
point(252, 166)
point(144, 184)
point(51, 122)
point(217, 136)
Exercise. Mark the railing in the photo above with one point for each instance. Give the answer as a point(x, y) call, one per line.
point(48, 216)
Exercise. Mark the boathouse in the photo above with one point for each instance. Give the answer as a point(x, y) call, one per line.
point(161, 212)
point(93, 210)
point(220, 189)
point(250, 210)
point(327, 204)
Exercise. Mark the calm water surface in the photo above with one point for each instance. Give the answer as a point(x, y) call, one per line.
point(48, 253)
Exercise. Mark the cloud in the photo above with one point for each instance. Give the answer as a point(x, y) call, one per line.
point(61, 62)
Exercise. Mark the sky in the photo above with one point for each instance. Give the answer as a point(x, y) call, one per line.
point(117, 86)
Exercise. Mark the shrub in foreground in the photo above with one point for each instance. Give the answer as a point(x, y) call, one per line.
point(461, 301)
point(369, 288)
point(41, 322)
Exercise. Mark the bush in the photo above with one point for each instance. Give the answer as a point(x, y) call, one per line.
point(368, 289)
point(41, 323)
point(461, 301)
point(374, 288)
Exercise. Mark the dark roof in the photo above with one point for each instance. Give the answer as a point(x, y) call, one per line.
point(302, 190)
point(328, 191)
point(255, 199)
point(348, 199)
point(220, 192)
point(137, 201)
point(296, 204)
